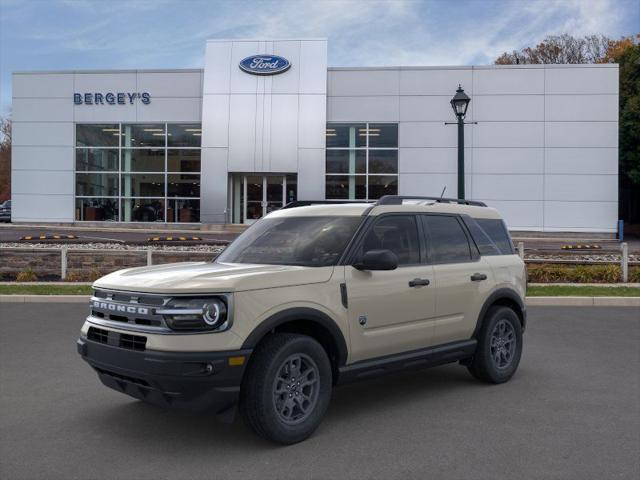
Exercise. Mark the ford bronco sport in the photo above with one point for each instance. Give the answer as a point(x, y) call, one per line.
point(309, 297)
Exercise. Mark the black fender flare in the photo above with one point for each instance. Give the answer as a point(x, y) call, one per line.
point(496, 296)
point(296, 314)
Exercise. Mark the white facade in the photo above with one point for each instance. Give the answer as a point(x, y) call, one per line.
point(544, 150)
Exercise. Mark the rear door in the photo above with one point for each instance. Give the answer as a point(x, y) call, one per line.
point(391, 311)
point(462, 277)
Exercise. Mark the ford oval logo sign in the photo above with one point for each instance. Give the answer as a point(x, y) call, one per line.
point(265, 64)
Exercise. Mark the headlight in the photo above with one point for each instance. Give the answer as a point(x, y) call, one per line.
point(196, 314)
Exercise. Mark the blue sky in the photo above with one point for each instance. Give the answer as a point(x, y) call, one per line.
point(120, 34)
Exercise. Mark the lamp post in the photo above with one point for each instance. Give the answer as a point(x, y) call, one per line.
point(460, 103)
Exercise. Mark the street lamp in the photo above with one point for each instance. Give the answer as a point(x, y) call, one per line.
point(460, 103)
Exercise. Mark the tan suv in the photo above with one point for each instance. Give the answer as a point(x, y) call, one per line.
point(310, 297)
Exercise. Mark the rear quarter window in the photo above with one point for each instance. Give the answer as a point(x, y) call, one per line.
point(497, 232)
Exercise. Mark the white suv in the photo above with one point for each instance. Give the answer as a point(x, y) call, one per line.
point(309, 297)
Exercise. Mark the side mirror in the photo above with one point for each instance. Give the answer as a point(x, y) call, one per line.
point(377, 260)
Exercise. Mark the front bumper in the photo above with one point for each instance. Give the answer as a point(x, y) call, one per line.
point(194, 381)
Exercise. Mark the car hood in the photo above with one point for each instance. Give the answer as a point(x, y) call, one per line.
point(207, 277)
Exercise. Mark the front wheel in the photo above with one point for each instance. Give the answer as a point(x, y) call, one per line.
point(499, 346)
point(287, 387)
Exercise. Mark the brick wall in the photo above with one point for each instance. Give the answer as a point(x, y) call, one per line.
point(85, 265)
point(45, 264)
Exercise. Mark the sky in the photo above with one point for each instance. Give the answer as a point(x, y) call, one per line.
point(129, 34)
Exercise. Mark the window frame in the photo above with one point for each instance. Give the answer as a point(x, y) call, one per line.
point(366, 148)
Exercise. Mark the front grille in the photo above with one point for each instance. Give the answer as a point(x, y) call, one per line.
point(122, 340)
point(130, 298)
point(133, 342)
point(98, 335)
point(129, 308)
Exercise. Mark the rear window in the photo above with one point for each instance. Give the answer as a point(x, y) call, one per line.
point(494, 237)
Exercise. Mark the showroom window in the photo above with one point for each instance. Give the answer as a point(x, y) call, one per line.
point(138, 172)
point(361, 160)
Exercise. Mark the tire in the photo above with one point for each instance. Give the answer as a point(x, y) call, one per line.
point(499, 346)
point(274, 406)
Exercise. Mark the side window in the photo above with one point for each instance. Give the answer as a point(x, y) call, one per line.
point(447, 239)
point(398, 233)
point(497, 231)
point(485, 245)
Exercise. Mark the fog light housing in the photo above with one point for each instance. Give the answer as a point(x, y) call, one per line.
point(196, 314)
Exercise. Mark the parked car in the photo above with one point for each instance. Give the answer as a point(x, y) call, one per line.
point(310, 297)
point(5, 211)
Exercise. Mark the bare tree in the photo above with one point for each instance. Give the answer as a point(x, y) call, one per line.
point(560, 49)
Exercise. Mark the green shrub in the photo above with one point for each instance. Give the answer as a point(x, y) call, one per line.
point(74, 277)
point(634, 274)
point(94, 275)
point(27, 275)
point(554, 273)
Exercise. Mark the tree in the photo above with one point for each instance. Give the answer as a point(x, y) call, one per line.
point(626, 53)
point(600, 49)
point(5, 159)
point(560, 49)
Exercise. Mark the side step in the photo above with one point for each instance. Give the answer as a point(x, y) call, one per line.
point(416, 359)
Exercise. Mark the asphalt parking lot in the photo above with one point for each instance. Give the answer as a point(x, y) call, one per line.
point(572, 411)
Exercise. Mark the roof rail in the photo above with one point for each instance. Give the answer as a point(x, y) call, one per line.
point(306, 203)
point(397, 200)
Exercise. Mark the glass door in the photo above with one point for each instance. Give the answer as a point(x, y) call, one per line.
point(254, 198)
point(274, 193)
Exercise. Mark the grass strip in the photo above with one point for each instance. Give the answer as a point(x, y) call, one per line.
point(52, 289)
point(587, 291)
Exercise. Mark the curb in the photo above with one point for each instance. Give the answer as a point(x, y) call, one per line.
point(75, 284)
point(531, 301)
point(44, 298)
point(584, 301)
point(202, 228)
point(605, 285)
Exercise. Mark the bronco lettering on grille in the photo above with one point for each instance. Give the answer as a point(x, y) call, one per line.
point(114, 307)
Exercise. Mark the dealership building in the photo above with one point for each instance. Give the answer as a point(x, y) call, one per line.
point(268, 122)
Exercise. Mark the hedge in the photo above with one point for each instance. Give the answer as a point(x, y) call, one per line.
point(557, 273)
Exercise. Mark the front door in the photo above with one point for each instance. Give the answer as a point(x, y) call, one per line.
point(391, 311)
point(255, 195)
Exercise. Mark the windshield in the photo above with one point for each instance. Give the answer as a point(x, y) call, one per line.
point(303, 241)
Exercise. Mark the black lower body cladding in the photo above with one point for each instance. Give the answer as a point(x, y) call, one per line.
point(193, 381)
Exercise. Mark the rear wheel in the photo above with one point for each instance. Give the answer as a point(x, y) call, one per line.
point(287, 388)
point(499, 346)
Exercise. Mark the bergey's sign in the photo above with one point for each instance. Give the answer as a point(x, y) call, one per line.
point(110, 98)
point(265, 64)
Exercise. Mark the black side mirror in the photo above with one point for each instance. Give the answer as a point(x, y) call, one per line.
point(377, 260)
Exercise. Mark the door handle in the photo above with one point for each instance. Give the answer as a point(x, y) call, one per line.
point(477, 277)
point(419, 282)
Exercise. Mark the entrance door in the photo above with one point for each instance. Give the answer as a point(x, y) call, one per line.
point(257, 195)
point(254, 198)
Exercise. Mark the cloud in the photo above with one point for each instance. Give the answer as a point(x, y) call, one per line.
point(113, 34)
